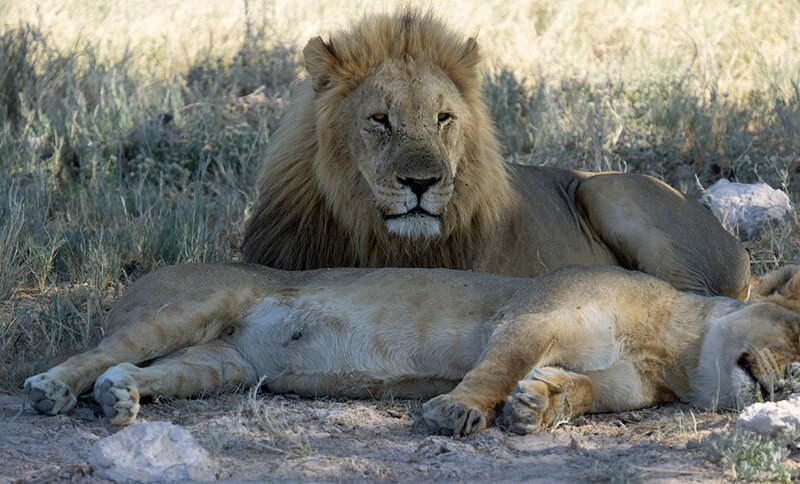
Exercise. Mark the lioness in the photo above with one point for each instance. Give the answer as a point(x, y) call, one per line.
point(387, 157)
point(575, 340)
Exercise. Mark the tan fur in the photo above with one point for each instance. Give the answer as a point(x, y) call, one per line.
point(395, 105)
point(576, 340)
point(782, 284)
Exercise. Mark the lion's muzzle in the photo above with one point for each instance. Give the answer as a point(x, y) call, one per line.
point(414, 189)
point(419, 185)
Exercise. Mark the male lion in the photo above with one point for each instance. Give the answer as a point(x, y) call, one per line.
point(572, 341)
point(388, 158)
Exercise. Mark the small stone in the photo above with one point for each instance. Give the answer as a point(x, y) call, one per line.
point(151, 452)
point(435, 446)
point(575, 444)
point(746, 209)
point(772, 418)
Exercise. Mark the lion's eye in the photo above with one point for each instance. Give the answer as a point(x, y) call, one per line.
point(743, 362)
point(380, 118)
point(444, 118)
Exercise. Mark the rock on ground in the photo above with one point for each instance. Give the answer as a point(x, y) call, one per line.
point(746, 209)
point(772, 418)
point(151, 452)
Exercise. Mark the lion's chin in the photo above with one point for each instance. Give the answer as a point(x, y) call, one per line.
point(414, 226)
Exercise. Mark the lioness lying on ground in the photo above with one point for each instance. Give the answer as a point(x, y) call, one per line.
point(575, 340)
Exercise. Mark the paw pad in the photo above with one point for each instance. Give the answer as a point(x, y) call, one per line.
point(48, 395)
point(116, 392)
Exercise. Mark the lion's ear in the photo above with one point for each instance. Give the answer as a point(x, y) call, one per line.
point(792, 288)
point(784, 282)
point(320, 60)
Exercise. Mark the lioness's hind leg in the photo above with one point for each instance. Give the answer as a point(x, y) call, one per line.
point(116, 391)
point(49, 395)
point(55, 390)
point(545, 397)
point(214, 366)
point(169, 309)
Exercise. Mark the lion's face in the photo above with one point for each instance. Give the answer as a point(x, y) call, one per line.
point(755, 344)
point(392, 148)
point(762, 374)
point(404, 133)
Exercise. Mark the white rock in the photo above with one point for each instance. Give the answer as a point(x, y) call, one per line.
point(151, 452)
point(772, 418)
point(746, 209)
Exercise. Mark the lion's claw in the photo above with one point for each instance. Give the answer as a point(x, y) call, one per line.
point(448, 416)
point(525, 409)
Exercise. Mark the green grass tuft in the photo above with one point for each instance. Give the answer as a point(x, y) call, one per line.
point(751, 456)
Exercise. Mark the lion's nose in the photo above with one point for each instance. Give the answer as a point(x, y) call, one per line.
point(419, 185)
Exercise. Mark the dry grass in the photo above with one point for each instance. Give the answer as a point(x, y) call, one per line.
point(740, 45)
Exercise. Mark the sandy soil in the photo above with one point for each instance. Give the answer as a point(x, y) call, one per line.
point(275, 438)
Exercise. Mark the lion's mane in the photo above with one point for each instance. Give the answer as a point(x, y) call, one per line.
point(311, 210)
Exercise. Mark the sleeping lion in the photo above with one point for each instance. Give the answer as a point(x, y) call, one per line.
point(573, 341)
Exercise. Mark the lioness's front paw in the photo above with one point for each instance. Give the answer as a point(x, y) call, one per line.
point(449, 416)
point(49, 395)
point(525, 409)
point(116, 392)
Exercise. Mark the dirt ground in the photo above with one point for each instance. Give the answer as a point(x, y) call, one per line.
point(279, 438)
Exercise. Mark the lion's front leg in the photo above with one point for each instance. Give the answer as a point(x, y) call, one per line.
point(457, 416)
point(214, 366)
point(516, 347)
point(547, 396)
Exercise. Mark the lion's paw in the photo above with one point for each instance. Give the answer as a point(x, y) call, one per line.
point(117, 393)
point(526, 408)
point(49, 395)
point(448, 415)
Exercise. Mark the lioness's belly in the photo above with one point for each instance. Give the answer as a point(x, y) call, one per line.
point(376, 335)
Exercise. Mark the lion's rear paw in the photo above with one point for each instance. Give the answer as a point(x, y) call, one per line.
point(526, 408)
point(449, 416)
point(48, 395)
point(117, 393)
